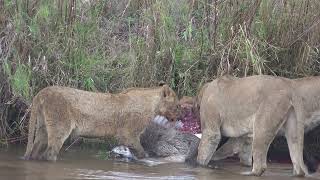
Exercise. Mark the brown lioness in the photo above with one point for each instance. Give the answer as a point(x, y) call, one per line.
point(59, 111)
point(258, 107)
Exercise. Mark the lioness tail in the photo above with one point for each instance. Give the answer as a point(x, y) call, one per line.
point(31, 133)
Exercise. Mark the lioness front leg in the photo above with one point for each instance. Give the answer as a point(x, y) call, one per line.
point(269, 119)
point(209, 142)
point(140, 153)
point(211, 136)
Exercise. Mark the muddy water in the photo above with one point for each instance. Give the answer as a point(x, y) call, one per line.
point(80, 164)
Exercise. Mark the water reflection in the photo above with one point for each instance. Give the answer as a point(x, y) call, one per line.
point(85, 165)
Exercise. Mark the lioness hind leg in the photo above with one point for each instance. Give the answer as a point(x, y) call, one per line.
point(245, 153)
point(295, 144)
point(226, 150)
point(52, 151)
point(53, 148)
point(56, 137)
point(268, 121)
point(239, 145)
point(39, 143)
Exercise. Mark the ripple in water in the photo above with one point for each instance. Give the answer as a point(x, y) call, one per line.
point(100, 174)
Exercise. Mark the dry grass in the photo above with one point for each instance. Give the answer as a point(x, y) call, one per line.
point(108, 45)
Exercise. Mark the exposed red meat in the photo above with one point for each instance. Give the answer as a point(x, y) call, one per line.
point(189, 119)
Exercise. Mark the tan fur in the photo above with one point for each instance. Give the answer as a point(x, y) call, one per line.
point(59, 111)
point(186, 101)
point(258, 106)
point(242, 145)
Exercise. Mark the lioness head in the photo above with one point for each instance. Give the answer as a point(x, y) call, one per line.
point(168, 106)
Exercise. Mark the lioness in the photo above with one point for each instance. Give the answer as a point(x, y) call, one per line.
point(59, 111)
point(242, 145)
point(258, 106)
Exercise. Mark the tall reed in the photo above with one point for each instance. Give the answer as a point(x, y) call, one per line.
point(108, 45)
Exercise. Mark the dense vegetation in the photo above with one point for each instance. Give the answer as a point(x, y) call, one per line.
point(108, 45)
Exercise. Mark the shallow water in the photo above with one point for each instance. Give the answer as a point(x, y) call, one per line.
point(80, 164)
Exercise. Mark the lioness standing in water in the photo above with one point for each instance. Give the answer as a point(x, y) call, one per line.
point(258, 107)
point(242, 145)
point(59, 111)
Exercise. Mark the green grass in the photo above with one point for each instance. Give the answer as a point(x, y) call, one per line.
point(111, 45)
